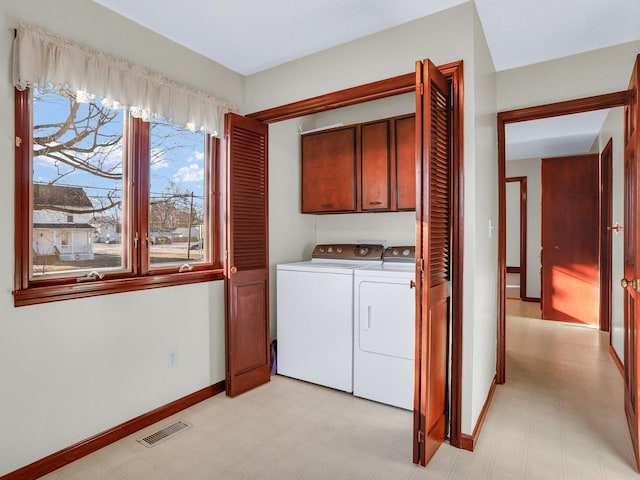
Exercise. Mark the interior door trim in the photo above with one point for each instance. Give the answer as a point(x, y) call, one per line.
point(606, 235)
point(386, 88)
point(580, 105)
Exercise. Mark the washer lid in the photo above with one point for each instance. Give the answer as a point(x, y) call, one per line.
point(325, 266)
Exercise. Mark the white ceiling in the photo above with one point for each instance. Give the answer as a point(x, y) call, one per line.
point(566, 135)
point(249, 36)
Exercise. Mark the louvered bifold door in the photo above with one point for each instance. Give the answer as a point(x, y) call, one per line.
point(433, 260)
point(247, 263)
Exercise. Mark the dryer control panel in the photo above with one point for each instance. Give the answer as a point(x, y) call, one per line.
point(400, 254)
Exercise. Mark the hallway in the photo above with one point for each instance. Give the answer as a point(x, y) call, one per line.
point(560, 416)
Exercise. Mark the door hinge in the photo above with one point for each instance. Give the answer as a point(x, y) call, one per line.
point(420, 436)
point(422, 89)
point(18, 141)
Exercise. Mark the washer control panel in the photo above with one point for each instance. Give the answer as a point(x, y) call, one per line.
point(400, 254)
point(348, 251)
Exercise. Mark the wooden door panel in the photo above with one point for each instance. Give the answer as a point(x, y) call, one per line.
point(247, 265)
point(438, 320)
point(570, 239)
point(631, 268)
point(375, 166)
point(405, 152)
point(433, 253)
point(329, 171)
point(249, 308)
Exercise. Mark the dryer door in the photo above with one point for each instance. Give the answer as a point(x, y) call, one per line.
point(386, 318)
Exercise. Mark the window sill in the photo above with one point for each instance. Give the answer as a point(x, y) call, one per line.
point(36, 295)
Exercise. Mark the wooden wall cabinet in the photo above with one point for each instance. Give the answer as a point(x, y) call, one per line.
point(405, 156)
point(330, 170)
point(367, 167)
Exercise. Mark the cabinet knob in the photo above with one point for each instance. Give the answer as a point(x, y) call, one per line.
point(233, 269)
point(412, 284)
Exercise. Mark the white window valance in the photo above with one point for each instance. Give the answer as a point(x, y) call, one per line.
point(50, 62)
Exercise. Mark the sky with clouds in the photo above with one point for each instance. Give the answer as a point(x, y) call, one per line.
point(177, 155)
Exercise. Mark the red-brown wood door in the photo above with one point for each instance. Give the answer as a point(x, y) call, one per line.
point(405, 155)
point(433, 240)
point(376, 167)
point(247, 265)
point(330, 170)
point(570, 239)
point(631, 266)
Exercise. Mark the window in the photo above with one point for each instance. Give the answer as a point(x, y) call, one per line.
point(177, 200)
point(108, 202)
point(110, 196)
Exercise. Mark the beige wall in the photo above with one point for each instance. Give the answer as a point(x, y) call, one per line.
point(71, 369)
point(479, 344)
point(592, 73)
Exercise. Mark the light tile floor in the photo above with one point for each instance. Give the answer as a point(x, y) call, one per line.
point(559, 416)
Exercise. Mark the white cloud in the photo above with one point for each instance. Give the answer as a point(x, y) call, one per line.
point(192, 173)
point(196, 157)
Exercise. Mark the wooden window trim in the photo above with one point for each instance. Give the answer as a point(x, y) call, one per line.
point(138, 274)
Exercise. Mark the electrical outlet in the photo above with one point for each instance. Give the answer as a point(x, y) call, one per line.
point(172, 358)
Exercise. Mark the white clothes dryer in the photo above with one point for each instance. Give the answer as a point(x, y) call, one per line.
point(384, 329)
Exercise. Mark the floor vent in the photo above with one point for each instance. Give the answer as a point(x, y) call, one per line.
point(162, 435)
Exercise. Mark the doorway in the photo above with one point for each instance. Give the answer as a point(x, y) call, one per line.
point(618, 99)
point(609, 231)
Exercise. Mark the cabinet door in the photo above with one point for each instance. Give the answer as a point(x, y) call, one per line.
point(405, 151)
point(375, 166)
point(329, 171)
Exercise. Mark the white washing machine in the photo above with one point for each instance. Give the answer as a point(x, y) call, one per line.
point(315, 314)
point(384, 329)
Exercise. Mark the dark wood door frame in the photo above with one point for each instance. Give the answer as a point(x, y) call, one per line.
point(588, 104)
point(386, 88)
point(606, 235)
point(523, 235)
